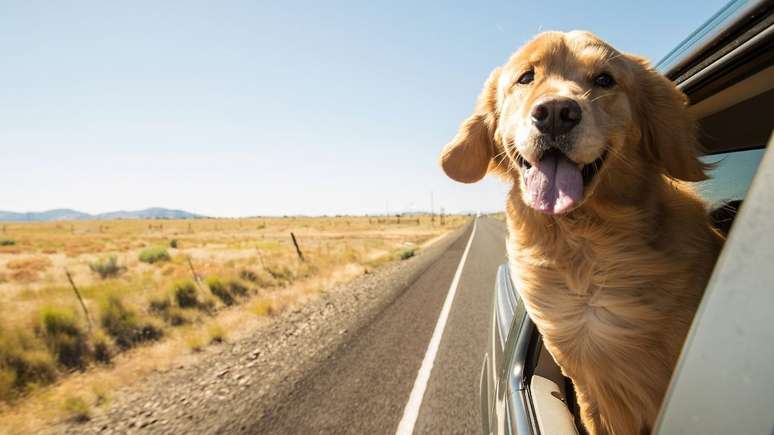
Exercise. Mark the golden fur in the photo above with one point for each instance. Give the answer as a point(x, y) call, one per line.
point(613, 284)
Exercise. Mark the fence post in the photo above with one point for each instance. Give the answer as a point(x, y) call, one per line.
point(295, 243)
point(196, 278)
point(80, 299)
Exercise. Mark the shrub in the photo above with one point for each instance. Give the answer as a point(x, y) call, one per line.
point(77, 409)
point(237, 288)
point(7, 242)
point(173, 243)
point(102, 347)
point(264, 307)
point(159, 305)
point(124, 325)
point(255, 278)
point(216, 333)
point(194, 342)
point(33, 367)
point(106, 267)
point(64, 336)
point(207, 305)
point(185, 294)
point(406, 253)
point(7, 383)
point(248, 275)
point(220, 290)
point(22, 362)
point(162, 307)
point(101, 394)
point(282, 274)
point(176, 317)
point(154, 254)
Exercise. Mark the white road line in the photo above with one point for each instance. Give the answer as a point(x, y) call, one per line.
point(411, 411)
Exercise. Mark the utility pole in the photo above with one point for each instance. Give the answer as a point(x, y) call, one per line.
point(432, 208)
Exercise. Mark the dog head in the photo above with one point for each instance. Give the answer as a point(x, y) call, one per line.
point(568, 118)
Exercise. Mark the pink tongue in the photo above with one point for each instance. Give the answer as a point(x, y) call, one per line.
point(554, 185)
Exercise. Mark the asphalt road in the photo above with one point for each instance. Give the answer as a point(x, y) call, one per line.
point(365, 385)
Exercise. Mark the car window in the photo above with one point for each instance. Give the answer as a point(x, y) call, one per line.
point(731, 176)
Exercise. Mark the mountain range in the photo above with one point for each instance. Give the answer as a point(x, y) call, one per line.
point(66, 214)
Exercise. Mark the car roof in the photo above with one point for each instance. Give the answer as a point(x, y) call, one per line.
point(726, 68)
point(726, 29)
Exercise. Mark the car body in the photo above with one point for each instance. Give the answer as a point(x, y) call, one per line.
point(726, 67)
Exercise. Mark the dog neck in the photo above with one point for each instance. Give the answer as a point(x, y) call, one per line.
point(576, 243)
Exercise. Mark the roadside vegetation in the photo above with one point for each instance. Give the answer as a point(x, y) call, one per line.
point(155, 254)
point(106, 267)
point(135, 283)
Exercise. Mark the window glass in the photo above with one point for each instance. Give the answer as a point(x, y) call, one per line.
point(731, 176)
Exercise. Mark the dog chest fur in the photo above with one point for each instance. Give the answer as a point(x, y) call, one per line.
point(613, 297)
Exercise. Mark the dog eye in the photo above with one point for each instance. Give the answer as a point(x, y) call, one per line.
point(527, 78)
point(604, 80)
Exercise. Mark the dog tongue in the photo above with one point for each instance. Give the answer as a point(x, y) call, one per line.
point(554, 185)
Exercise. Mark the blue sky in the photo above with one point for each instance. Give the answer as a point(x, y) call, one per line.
point(242, 108)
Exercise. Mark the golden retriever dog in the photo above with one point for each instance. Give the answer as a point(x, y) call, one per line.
point(609, 248)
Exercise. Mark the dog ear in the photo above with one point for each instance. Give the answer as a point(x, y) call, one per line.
point(668, 131)
point(467, 157)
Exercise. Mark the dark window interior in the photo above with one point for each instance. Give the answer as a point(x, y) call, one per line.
point(742, 126)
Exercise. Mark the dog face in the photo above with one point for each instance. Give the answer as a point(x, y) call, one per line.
point(570, 119)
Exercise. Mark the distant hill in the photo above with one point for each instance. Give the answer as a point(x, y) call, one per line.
point(149, 213)
point(65, 214)
point(60, 214)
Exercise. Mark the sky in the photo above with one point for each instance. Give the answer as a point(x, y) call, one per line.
point(241, 108)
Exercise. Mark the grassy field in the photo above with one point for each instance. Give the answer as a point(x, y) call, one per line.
point(145, 282)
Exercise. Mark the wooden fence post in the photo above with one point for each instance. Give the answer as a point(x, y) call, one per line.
point(196, 278)
point(295, 243)
point(80, 299)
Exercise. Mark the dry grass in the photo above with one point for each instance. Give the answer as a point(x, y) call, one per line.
point(216, 333)
point(194, 341)
point(37, 264)
point(246, 271)
point(77, 409)
point(264, 307)
point(27, 270)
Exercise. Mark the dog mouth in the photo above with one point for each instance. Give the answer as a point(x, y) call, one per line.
point(588, 171)
point(556, 183)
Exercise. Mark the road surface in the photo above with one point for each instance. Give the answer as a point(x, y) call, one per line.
point(365, 385)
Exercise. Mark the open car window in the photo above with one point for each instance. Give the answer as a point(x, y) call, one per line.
point(731, 177)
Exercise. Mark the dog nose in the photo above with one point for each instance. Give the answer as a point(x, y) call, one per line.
point(556, 116)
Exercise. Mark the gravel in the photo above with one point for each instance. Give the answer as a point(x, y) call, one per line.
point(236, 383)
